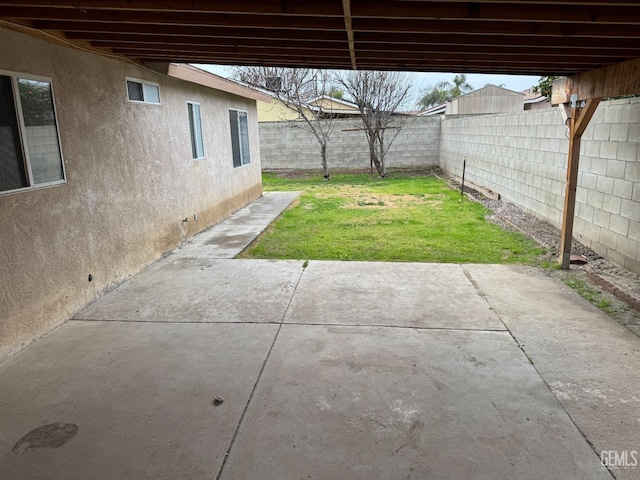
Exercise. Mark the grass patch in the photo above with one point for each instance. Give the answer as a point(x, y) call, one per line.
point(593, 295)
point(403, 218)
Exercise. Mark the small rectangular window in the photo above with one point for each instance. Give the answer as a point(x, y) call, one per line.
point(195, 127)
point(30, 153)
point(239, 137)
point(134, 90)
point(151, 93)
point(141, 91)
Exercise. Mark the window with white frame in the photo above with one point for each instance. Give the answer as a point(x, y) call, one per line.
point(239, 137)
point(195, 127)
point(143, 91)
point(30, 153)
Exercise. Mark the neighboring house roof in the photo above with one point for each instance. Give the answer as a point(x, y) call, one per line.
point(488, 99)
point(278, 111)
point(487, 88)
point(335, 105)
point(531, 97)
point(436, 110)
point(323, 105)
point(198, 76)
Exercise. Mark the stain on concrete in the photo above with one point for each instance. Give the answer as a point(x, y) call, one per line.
point(54, 435)
point(230, 240)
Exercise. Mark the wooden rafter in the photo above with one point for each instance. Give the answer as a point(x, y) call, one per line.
point(348, 25)
point(546, 37)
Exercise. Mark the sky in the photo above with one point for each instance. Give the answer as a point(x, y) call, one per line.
point(424, 80)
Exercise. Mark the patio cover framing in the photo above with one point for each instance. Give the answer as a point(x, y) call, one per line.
point(594, 43)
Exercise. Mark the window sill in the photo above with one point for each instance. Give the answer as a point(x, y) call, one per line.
point(40, 186)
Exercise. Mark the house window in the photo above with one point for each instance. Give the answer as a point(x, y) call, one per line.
point(30, 154)
point(195, 127)
point(144, 92)
point(239, 137)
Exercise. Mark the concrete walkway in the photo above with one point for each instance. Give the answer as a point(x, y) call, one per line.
point(203, 367)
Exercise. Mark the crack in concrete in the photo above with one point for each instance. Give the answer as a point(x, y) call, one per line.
point(255, 385)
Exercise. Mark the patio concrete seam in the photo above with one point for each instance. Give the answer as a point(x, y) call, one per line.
point(246, 406)
point(519, 345)
point(486, 299)
point(180, 322)
point(406, 327)
point(255, 385)
point(482, 295)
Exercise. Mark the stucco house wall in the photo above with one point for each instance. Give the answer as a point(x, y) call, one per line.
point(132, 191)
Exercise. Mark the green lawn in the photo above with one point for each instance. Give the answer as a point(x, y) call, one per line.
point(401, 218)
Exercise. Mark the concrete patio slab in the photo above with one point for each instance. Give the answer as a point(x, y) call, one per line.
point(202, 290)
point(336, 370)
point(589, 360)
point(231, 236)
point(127, 400)
point(399, 294)
point(389, 403)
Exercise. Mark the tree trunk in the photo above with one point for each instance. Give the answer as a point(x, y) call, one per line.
point(325, 166)
point(383, 163)
point(374, 157)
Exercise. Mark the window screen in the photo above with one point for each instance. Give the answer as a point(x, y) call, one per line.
point(239, 137)
point(30, 153)
point(195, 126)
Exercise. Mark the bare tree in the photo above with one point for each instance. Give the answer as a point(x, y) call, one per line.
point(378, 96)
point(296, 88)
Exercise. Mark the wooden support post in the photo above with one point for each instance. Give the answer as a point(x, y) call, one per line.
point(580, 117)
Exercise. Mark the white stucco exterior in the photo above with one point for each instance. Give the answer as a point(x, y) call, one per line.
point(132, 190)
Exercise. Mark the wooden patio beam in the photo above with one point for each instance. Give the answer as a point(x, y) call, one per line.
point(610, 81)
point(509, 28)
point(580, 117)
point(348, 25)
point(304, 22)
point(140, 41)
point(573, 45)
point(590, 87)
point(267, 51)
point(193, 31)
point(589, 12)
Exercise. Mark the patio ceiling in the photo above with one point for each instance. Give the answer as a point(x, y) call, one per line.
point(552, 37)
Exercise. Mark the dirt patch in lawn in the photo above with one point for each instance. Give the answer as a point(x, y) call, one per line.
point(356, 198)
point(391, 201)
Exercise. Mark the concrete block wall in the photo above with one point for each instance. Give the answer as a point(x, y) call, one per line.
point(523, 157)
point(285, 146)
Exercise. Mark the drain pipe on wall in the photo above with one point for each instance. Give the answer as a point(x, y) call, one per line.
point(464, 168)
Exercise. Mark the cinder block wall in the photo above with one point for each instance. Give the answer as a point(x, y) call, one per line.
point(285, 146)
point(523, 157)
